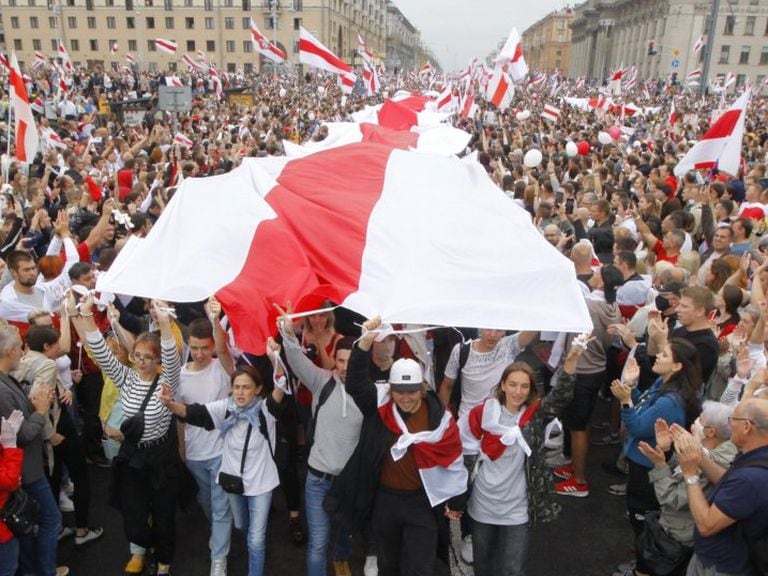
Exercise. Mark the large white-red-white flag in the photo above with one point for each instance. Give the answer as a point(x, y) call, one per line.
point(550, 112)
point(166, 46)
point(193, 64)
point(66, 61)
point(278, 229)
point(721, 144)
point(500, 90)
point(27, 140)
point(371, 78)
point(313, 53)
point(511, 55)
point(264, 47)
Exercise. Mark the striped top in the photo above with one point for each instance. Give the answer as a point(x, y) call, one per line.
point(157, 418)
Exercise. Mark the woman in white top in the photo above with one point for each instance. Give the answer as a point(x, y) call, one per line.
point(246, 419)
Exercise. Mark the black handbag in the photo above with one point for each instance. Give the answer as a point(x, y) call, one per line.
point(133, 428)
point(20, 513)
point(229, 482)
point(661, 553)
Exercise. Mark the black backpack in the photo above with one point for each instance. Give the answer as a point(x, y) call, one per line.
point(455, 402)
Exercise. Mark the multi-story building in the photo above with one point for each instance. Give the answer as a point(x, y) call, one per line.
point(547, 43)
point(608, 34)
point(220, 28)
point(403, 40)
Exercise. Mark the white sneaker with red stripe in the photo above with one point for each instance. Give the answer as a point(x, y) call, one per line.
point(572, 488)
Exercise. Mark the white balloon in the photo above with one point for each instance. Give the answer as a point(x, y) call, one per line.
point(532, 158)
point(571, 149)
point(604, 138)
point(526, 114)
point(311, 116)
point(321, 90)
point(519, 116)
point(283, 92)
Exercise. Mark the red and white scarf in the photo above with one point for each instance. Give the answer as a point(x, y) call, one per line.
point(482, 429)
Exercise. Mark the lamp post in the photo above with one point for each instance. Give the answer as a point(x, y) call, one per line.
point(708, 47)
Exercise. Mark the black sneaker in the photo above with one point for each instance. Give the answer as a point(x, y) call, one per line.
point(607, 440)
point(297, 531)
point(611, 468)
point(99, 461)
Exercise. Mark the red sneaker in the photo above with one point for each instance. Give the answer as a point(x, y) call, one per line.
point(572, 488)
point(564, 472)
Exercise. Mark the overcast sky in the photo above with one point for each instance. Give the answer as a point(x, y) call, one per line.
point(456, 30)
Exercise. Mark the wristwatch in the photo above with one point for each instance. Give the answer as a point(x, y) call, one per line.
point(626, 405)
point(692, 480)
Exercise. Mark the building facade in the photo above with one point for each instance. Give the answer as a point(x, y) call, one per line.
point(403, 41)
point(547, 43)
point(608, 34)
point(220, 28)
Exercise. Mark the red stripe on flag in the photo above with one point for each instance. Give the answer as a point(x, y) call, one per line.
point(397, 138)
point(329, 57)
point(724, 125)
point(501, 90)
point(21, 141)
point(397, 117)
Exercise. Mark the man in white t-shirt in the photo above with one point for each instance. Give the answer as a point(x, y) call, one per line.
point(207, 379)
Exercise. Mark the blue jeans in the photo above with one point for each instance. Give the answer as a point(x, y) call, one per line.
point(214, 502)
point(251, 514)
point(38, 553)
point(9, 557)
point(499, 549)
point(319, 525)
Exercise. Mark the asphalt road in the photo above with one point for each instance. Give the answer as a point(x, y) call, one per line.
point(589, 539)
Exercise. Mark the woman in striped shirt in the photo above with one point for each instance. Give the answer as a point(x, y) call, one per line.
point(147, 469)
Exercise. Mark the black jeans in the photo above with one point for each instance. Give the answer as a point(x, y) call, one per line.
point(287, 454)
point(406, 533)
point(70, 454)
point(499, 550)
point(89, 400)
point(641, 496)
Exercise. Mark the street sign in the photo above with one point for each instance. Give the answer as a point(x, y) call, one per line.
point(174, 98)
point(675, 63)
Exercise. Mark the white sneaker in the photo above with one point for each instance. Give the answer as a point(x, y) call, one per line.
point(68, 488)
point(65, 503)
point(219, 567)
point(466, 550)
point(371, 567)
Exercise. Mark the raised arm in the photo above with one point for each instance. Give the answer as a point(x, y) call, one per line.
point(213, 309)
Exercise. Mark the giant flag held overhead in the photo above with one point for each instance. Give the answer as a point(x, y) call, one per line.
point(25, 132)
point(264, 46)
point(368, 239)
point(511, 55)
point(721, 144)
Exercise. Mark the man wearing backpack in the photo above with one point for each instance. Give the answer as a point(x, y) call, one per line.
point(332, 436)
point(731, 532)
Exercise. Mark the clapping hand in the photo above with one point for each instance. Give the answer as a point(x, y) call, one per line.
point(9, 428)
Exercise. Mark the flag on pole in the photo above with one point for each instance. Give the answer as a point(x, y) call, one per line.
point(183, 140)
point(173, 81)
point(672, 119)
point(445, 99)
point(264, 46)
point(65, 59)
point(371, 78)
point(730, 80)
point(694, 76)
point(363, 50)
point(216, 81)
point(192, 64)
point(27, 140)
point(426, 69)
point(313, 53)
point(699, 44)
point(721, 144)
point(4, 62)
point(500, 89)
point(40, 59)
point(167, 46)
point(511, 55)
point(550, 113)
point(130, 58)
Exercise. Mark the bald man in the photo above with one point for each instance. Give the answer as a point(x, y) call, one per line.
point(581, 255)
point(734, 516)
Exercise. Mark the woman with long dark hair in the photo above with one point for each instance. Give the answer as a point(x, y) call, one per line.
point(674, 397)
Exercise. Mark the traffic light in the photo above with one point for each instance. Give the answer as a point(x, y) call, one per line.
point(652, 50)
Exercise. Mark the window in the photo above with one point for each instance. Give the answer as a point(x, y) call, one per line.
point(210, 45)
point(54, 44)
point(168, 5)
point(31, 3)
point(191, 46)
point(172, 66)
point(295, 46)
point(17, 45)
point(169, 24)
point(187, 3)
point(229, 23)
point(129, 5)
point(91, 22)
point(246, 5)
point(744, 56)
point(231, 67)
point(72, 22)
point(150, 22)
point(730, 22)
point(246, 22)
point(110, 3)
point(247, 46)
point(153, 67)
point(740, 80)
point(52, 23)
point(269, 23)
point(248, 68)
point(148, 3)
point(132, 46)
point(34, 22)
point(298, 5)
point(130, 22)
point(189, 23)
point(760, 80)
point(230, 44)
point(557, 63)
point(296, 23)
point(764, 55)
point(151, 46)
point(89, 4)
point(37, 44)
point(14, 21)
point(111, 22)
point(209, 22)
point(74, 45)
point(208, 5)
point(749, 28)
point(228, 3)
point(94, 45)
point(11, 3)
point(725, 53)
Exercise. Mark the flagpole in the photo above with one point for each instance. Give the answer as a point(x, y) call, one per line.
point(7, 165)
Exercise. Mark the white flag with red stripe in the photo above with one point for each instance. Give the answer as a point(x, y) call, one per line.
point(130, 58)
point(699, 44)
point(173, 81)
point(166, 46)
point(365, 53)
point(264, 47)
point(66, 61)
point(721, 144)
point(313, 53)
point(347, 82)
point(371, 77)
point(25, 131)
point(444, 101)
point(40, 59)
point(672, 119)
point(500, 90)
point(4, 62)
point(278, 229)
point(183, 140)
point(193, 64)
point(511, 55)
point(550, 113)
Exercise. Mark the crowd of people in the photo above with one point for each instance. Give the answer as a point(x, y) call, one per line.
point(399, 433)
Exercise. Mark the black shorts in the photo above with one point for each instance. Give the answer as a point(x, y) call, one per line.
point(577, 414)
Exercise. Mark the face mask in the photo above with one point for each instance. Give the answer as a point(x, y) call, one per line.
point(662, 303)
point(697, 429)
